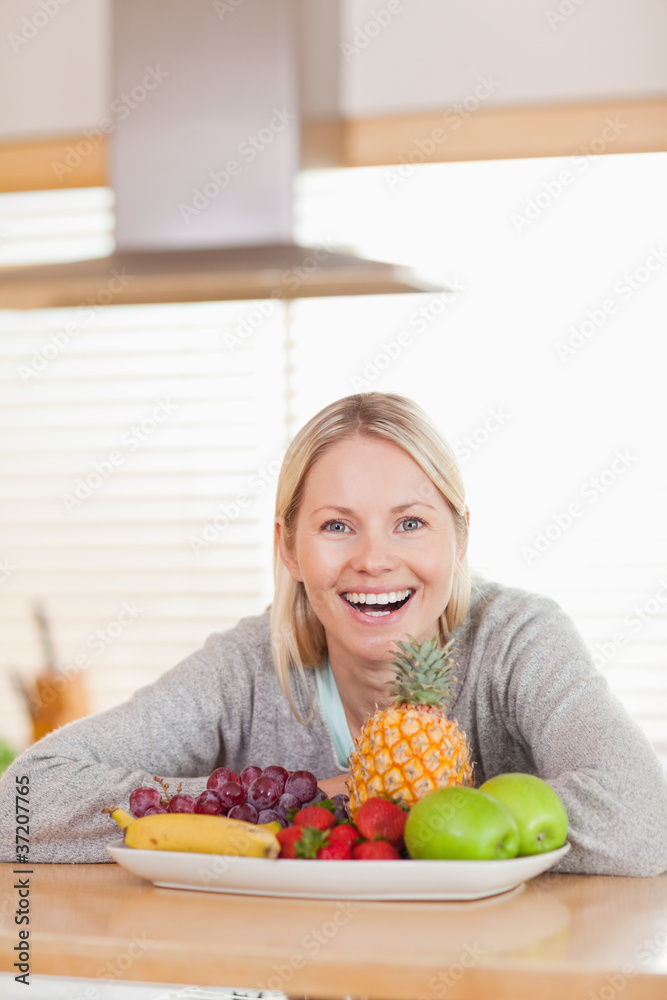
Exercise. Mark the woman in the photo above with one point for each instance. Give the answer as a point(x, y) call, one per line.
point(371, 535)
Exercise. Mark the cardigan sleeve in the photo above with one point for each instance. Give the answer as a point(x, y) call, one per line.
point(172, 729)
point(584, 743)
point(222, 705)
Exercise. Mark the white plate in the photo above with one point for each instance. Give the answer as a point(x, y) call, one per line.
point(308, 879)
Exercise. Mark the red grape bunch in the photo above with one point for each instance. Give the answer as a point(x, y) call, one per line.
point(255, 795)
point(312, 824)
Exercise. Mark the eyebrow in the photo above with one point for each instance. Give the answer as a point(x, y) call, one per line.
point(399, 509)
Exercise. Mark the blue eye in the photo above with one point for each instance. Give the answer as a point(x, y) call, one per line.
point(412, 523)
point(335, 527)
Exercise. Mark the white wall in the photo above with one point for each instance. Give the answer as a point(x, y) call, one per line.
point(429, 54)
point(55, 66)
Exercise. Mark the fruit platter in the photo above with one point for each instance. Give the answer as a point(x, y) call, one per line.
point(384, 880)
point(443, 848)
point(413, 826)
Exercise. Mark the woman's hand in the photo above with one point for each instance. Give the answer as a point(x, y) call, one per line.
point(334, 786)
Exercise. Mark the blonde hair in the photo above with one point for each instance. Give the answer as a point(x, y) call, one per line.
point(297, 636)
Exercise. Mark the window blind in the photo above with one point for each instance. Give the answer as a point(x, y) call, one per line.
point(138, 468)
point(49, 227)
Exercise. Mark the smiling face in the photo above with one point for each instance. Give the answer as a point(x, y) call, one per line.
point(375, 547)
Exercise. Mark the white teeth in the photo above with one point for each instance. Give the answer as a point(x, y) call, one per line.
point(389, 598)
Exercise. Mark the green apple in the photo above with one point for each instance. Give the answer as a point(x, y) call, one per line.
point(538, 810)
point(460, 823)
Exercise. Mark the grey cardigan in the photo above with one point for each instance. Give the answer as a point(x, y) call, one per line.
point(529, 699)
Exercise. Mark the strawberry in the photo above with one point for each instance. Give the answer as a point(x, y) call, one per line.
point(288, 839)
point(375, 850)
point(317, 816)
point(332, 844)
point(344, 833)
point(382, 819)
point(335, 850)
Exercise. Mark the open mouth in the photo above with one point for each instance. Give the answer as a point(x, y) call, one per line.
point(378, 605)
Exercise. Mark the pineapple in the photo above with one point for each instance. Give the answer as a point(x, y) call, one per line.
point(411, 748)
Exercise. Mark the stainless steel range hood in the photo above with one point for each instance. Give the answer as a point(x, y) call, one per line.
point(279, 271)
point(203, 131)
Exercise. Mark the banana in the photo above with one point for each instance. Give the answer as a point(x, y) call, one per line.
point(197, 834)
point(122, 818)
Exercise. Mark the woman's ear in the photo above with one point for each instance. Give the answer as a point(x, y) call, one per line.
point(289, 560)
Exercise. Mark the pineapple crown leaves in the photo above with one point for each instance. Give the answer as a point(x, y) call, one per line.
point(424, 673)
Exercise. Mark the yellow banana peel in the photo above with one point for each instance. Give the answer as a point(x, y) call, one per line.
point(122, 818)
point(197, 833)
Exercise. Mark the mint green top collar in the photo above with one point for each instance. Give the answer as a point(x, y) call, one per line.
point(333, 711)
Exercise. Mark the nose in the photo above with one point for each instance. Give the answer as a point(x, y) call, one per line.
point(374, 553)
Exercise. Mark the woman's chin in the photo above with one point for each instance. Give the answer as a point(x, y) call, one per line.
point(377, 646)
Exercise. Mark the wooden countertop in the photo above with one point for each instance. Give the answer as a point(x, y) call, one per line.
point(557, 936)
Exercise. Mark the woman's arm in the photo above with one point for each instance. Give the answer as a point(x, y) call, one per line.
point(168, 729)
point(178, 728)
point(335, 786)
point(584, 743)
point(221, 705)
